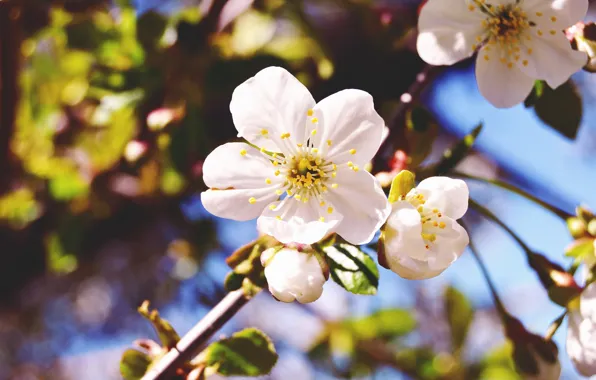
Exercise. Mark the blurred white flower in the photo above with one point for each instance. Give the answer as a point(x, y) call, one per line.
point(304, 180)
point(293, 275)
point(581, 334)
point(422, 237)
point(518, 42)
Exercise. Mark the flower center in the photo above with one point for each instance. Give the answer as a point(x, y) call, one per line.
point(431, 219)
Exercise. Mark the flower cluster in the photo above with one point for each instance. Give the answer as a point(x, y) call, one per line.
point(517, 41)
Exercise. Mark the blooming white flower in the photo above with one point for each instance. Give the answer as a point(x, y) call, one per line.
point(519, 41)
point(304, 179)
point(293, 275)
point(422, 237)
point(581, 334)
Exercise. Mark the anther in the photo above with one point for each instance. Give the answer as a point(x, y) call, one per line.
point(243, 152)
point(252, 200)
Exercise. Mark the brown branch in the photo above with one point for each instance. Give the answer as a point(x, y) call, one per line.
point(196, 338)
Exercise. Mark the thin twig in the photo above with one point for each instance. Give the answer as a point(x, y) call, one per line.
point(493, 290)
point(552, 329)
point(505, 185)
point(197, 336)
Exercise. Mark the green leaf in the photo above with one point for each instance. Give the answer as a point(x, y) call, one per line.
point(166, 333)
point(403, 182)
point(385, 323)
point(561, 109)
point(536, 93)
point(459, 315)
point(353, 269)
point(247, 353)
point(421, 130)
point(580, 248)
point(452, 157)
point(134, 364)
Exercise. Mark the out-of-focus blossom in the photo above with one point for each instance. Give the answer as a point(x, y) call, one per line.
point(581, 334)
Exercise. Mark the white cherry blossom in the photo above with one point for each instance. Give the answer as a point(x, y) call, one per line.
point(303, 176)
point(293, 275)
point(581, 333)
point(422, 237)
point(518, 42)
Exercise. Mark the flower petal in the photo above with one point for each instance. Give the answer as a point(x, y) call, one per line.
point(363, 204)
point(449, 247)
point(236, 172)
point(551, 59)
point(566, 12)
point(448, 195)
point(271, 103)
point(580, 345)
point(500, 84)
point(347, 120)
point(588, 302)
point(240, 166)
point(299, 223)
point(403, 231)
point(447, 31)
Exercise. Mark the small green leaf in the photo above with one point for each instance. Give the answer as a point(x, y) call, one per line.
point(247, 353)
point(134, 364)
point(353, 269)
point(536, 93)
point(459, 315)
point(421, 131)
point(580, 248)
point(385, 323)
point(452, 157)
point(166, 333)
point(403, 182)
point(561, 109)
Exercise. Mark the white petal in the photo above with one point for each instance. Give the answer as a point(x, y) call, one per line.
point(300, 222)
point(566, 12)
point(235, 179)
point(552, 59)
point(501, 85)
point(234, 203)
point(588, 302)
point(581, 343)
point(274, 101)
point(447, 31)
point(448, 195)
point(348, 119)
point(295, 275)
point(240, 166)
point(363, 204)
point(403, 234)
point(449, 247)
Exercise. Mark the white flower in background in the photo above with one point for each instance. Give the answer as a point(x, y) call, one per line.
point(422, 237)
point(518, 42)
point(293, 275)
point(581, 334)
point(306, 177)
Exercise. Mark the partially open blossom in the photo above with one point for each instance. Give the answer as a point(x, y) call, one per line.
point(306, 179)
point(294, 275)
point(518, 42)
point(422, 237)
point(581, 334)
point(535, 357)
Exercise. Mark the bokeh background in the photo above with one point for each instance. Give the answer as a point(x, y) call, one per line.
point(107, 111)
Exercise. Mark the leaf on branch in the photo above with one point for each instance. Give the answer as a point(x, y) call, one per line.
point(580, 248)
point(459, 312)
point(353, 269)
point(246, 353)
point(453, 156)
point(166, 333)
point(561, 109)
point(421, 130)
point(134, 364)
point(385, 323)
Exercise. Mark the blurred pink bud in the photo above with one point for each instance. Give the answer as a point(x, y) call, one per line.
point(134, 150)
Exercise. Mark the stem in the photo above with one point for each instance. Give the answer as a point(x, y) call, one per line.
point(406, 100)
point(489, 215)
point(505, 185)
point(164, 368)
point(493, 290)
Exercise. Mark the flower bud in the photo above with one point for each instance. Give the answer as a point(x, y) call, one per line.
point(576, 226)
point(294, 275)
point(561, 286)
point(534, 356)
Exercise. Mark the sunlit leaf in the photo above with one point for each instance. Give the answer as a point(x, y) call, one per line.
point(246, 353)
point(353, 269)
point(134, 364)
point(460, 313)
point(384, 323)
